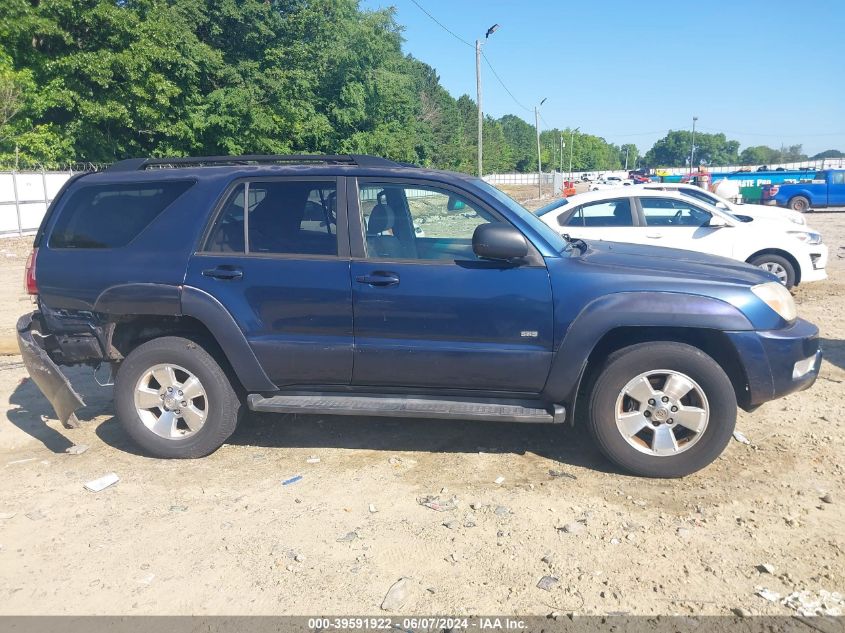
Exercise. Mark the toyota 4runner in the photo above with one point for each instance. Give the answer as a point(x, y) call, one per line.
point(354, 285)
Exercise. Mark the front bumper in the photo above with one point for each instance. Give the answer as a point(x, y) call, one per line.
point(45, 373)
point(813, 267)
point(778, 362)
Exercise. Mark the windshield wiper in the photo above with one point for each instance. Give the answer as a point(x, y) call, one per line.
point(576, 241)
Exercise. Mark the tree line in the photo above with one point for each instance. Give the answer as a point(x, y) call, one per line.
point(101, 80)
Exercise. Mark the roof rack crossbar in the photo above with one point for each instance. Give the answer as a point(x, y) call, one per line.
point(139, 164)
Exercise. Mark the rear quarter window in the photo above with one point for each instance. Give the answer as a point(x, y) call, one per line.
point(111, 216)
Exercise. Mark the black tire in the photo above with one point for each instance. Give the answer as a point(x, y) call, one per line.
point(766, 259)
point(799, 203)
point(626, 364)
point(223, 404)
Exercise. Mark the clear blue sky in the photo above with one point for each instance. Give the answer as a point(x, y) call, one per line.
point(762, 71)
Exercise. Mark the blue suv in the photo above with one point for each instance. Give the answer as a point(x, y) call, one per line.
point(354, 285)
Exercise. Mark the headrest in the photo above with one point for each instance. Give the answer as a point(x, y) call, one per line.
point(381, 219)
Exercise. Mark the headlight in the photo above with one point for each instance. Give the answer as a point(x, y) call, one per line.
point(808, 237)
point(775, 295)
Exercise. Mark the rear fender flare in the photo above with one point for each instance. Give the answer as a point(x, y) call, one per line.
point(210, 312)
point(627, 309)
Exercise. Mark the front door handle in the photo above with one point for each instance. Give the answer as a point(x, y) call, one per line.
point(379, 278)
point(654, 236)
point(227, 273)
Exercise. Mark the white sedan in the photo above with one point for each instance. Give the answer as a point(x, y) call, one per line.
point(611, 182)
point(739, 209)
point(670, 219)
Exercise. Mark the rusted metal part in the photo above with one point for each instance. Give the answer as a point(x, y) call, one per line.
point(46, 374)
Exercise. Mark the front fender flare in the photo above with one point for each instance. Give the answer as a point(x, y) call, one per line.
point(631, 309)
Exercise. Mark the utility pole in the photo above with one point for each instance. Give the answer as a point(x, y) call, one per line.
point(626, 158)
point(539, 160)
point(561, 152)
point(478, 45)
point(571, 147)
point(692, 148)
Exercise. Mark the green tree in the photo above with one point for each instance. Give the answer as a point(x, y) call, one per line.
point(633, 155)
point(828, 153)
point(673, 150)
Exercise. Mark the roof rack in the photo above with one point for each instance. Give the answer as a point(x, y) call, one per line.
point(361, 160)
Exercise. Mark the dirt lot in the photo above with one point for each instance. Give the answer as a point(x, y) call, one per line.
point(222, 535)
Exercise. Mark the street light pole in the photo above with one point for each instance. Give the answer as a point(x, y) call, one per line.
point(539, 160)
point(692, 148)
point(478, 45)
point(571, 146)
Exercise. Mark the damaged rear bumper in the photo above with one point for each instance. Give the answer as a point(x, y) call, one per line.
point(45, 373)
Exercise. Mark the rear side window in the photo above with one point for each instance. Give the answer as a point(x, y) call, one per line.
point(111, 216)
point(281, 217)
point(607, 213)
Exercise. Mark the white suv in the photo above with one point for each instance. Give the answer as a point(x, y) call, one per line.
point(670, 219)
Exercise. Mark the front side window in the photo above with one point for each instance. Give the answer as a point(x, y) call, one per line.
point(666, 212)
point(418, 222)
point(111, 216)
point(607, 213)
point(281, 217)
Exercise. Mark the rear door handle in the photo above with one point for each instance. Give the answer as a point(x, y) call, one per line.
point(654, 236)
point(379, 278)
point(224, 272)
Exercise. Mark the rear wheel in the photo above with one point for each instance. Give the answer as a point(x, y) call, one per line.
point(662, 409)
point(778, 265)
point(174, 399)
point(799, 203)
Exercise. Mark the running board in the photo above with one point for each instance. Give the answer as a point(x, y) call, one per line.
point(417, 407)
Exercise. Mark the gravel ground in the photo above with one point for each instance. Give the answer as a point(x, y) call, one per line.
point(222, 535)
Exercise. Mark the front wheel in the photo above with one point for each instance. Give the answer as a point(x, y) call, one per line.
point(174, 399)
point(662, 409)
point(779, 266)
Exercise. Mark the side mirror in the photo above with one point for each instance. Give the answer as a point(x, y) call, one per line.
point(717, 222)
point(499, 242)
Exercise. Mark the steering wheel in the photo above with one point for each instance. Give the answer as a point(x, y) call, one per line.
point(676, 219)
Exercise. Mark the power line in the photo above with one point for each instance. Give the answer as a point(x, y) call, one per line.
point(774, 134)
point(442, 26)
point(515, 100)
point(463, 41)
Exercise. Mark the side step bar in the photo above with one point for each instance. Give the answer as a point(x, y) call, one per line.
point(414, 407)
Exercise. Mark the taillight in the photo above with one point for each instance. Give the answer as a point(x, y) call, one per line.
point(30, 285)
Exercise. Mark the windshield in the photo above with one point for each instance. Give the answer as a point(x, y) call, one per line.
point(547, 233)
point(556, 204)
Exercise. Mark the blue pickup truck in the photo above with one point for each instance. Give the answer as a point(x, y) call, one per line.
point(300, 284)
point(826, 189)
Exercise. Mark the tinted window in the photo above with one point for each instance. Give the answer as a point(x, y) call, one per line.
point(283, 217)
point(111, 216)
point(669, 212)
point(612, 213)
point(418, 222)
point(837, 177)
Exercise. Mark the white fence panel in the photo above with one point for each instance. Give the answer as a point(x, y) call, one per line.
point(24, 198)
